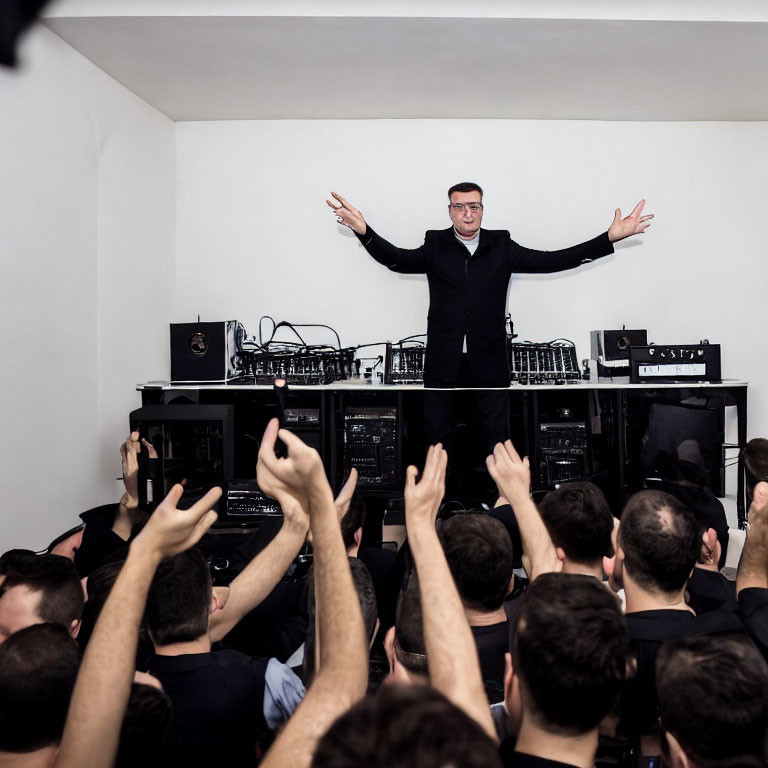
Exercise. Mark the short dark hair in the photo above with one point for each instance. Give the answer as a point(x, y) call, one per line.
point(661, 539)
point(178, 604)
point(579, 520)
point(755, 457)
point(465, 186)
point(145, 725)
point(354, 519)
point(479, 553)
point(570, 650)
point(404, 726)
point(53, 576)
point(410, 649)
point(713, 693)
point(38, 668)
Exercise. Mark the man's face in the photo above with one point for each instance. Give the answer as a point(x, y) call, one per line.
point(18, 610)
point(466, 221)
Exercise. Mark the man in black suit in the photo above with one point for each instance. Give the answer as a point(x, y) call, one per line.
point(468, 270)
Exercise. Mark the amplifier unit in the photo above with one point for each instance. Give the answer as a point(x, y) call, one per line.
point(205, 351)
point(611, 350)
point(675, 363)
point(370, 445)
point(544, 363)
point(303, 366)
point(404, 363)
point(562, 452)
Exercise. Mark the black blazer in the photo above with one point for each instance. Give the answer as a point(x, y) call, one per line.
point(468, 295)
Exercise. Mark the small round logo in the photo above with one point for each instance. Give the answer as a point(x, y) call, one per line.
point(198, 344)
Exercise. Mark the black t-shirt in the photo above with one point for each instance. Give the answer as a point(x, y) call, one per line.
point(522, 760)
point(492, 643)
point(647, 631)
point(753, 609)
point(218, 707)
point(709, 591)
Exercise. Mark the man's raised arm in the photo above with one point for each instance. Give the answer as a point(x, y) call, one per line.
point(103, 684)
point(512, 476)
point(405, 260)
point(342, 675)
point(454, 668)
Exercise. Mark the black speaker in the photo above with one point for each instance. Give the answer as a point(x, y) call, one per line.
point(205, 351)
point(614, 345)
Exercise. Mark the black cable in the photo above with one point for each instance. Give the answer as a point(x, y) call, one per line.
point(321, 325)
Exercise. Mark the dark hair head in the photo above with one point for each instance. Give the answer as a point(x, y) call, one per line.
point(179, 599)
point(570, 651)
point(755, 457)
point(713, 693)
point(145, 725)
point(354, 519)
point(661, 540)
point(38, 668)
point(366, 594)
point(465, 186)
point(404, 726)
point(409, 630)
point(53, 576)
point(579, 520)
point(479, 553)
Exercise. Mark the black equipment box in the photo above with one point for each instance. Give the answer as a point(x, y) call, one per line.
point(404, 363)
point(675, 363)
point(611, 350)
point(205, 351)
point(542, 363)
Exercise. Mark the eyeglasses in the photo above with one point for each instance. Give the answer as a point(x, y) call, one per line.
point(459, 207)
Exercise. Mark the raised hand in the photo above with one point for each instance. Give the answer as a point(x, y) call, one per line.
point(344, 499)
point(634, 224)
point(511, 474)
point(422, 499)
point(170, 530)
point(295, 479)
point(347, 214)
point(129, 451)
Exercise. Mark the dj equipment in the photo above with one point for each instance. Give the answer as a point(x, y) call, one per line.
point(370, 445)
point(305, 365)
point(404, 363)
point(205, 351)
point(562, 452)
point(244, 499)
point(611, 350)
point(543, 363)
point(667, 363)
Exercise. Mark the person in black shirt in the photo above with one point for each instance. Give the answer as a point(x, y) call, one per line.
point(468, 269)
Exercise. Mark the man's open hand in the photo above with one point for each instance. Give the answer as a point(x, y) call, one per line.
point(634, 224)
point(294, 480)
point(347, 214)
point(422, 499)
point(129, 451)
point(170, 530)
point(511, 474)
point(344, 499)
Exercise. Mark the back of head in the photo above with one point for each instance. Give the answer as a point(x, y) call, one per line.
point(569, 651)
point(409, 629)
point(145, 725)
point(353, 520)
point(366, 593)
point(661, 540)
point(755, 457)
point(179, 599)
point(579, 520)
point(53, 577)
point(405, 726)
point(479, 553)
point(38, 668)
point(713, 693)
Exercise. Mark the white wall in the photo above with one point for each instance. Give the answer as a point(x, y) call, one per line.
point(255, 238)
point(86, 212)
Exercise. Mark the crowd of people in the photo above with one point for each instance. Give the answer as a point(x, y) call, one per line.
point(524, 635)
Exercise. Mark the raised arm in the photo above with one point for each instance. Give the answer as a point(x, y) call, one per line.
point(342, 676)
point(263, 573)
point(405, 260)
point(512, 476)
point(454, 668)
point(753, 565)
point(103, 684)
